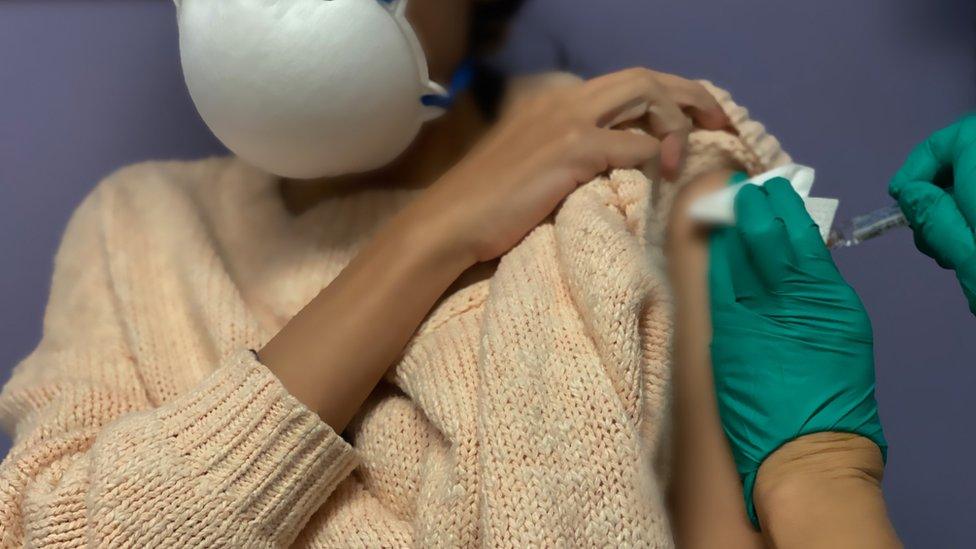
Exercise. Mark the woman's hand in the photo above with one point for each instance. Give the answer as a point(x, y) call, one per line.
point(331, 355)
point(548, 144)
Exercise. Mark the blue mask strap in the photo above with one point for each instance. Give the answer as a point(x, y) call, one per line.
point(460, 82)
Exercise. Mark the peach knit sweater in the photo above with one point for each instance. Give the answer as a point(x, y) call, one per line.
point(528, 410)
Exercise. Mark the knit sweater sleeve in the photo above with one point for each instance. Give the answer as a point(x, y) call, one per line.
point(235, 461)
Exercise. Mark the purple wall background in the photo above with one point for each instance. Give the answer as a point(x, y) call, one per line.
point(849, 87)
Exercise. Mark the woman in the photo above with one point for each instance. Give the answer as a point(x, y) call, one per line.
point(517, 403)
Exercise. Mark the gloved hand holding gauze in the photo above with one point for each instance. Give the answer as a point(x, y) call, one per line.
point(307, 88)
point(792, 347)
point(718, 208)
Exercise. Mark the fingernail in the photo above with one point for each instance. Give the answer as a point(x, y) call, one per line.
point(672, 156)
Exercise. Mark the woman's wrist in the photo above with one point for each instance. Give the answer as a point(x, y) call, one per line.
point(823, 488)
point(435, 229)
point(331, 354)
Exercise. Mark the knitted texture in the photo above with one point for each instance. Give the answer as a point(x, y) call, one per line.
point(528, 410)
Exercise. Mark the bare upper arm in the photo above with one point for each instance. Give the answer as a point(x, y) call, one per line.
point(706, 493)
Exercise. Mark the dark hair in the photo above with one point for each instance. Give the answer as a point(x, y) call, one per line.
point(490, 22)
point(491, 19)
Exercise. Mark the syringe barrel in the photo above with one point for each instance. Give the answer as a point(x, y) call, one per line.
point(867, 226)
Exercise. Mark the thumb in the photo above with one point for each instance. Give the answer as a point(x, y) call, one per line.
point(966, 273)
point(941, 231)
point(947, 158)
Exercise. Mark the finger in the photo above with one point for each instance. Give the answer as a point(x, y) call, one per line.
point(933, 155)
point(694, 99)
point(735, 277)
point(634, 94)
point(720, 287)
point(673, 149)
point(966, 274)
point(765, 236)
point(964, 171)
point(787, 204)
point(619, 97)
point(673, 127)
point(624, 148)
point(941, 231)
point(748, 283)
point(732, 279)
point(937, 158)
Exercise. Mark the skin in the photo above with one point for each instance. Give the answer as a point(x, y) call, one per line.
point(486, 186)
point(824, 479)
point(485, 189)
point(705, 493)
point(819, 491)
point(443, 40)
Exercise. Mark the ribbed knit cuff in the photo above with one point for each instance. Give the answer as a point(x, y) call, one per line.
point(765, 151)
point(253, 441)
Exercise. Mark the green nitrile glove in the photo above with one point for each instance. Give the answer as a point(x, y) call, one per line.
point(792, 348)
point(936, 189)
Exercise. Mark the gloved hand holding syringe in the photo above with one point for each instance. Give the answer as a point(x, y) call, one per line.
point(717, 208)
point(792, 345)
point(935, 192)
point(937, 158)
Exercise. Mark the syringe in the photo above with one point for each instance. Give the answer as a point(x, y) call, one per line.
point(865, 227)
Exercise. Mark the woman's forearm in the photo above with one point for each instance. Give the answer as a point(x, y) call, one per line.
point(824, 491)
point(333, 353)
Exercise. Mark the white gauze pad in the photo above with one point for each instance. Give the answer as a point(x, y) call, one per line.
point(718, 208)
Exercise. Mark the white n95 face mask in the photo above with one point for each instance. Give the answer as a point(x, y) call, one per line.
point(308, 88)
